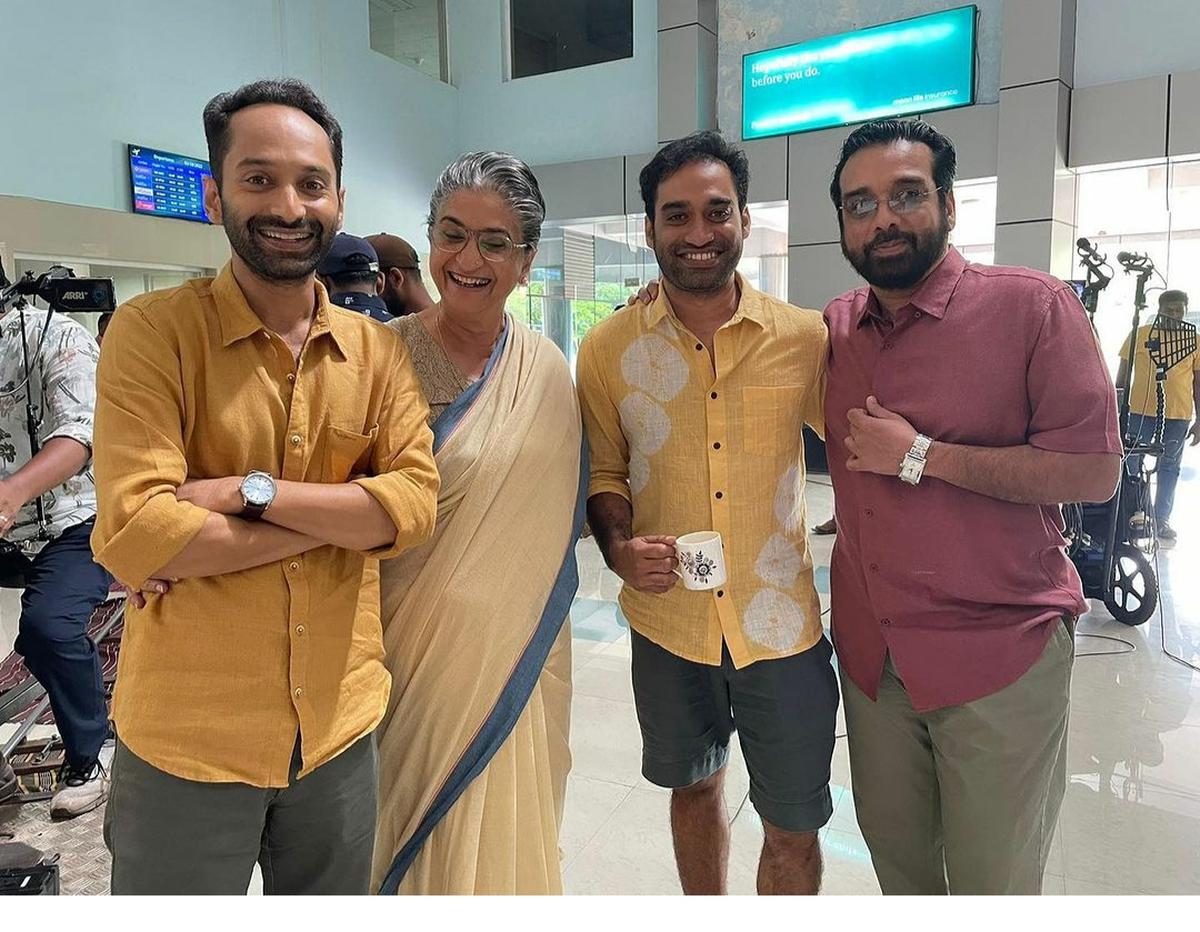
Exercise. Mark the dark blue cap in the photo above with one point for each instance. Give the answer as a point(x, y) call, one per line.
point(348, 254)
point(370, 304)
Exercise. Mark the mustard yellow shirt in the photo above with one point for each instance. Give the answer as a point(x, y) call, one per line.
point(1178, 389)
point(698, 448)
point(218, 676)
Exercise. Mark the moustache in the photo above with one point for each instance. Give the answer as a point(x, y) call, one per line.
point(891, 237)
point(309, 226)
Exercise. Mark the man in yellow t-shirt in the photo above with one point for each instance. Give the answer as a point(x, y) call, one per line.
point(1182, 396)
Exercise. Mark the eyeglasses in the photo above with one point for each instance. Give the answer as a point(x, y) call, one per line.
point(494, 245)
point(904, 201)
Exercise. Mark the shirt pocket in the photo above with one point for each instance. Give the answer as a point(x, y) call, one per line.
point(346, 453)
point(771, 416)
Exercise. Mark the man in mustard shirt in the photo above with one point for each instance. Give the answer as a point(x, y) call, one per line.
point(261, 449)
point(694, 406)
point(1182, 393)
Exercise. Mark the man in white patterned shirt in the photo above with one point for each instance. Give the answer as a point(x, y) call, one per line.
point(47, 509)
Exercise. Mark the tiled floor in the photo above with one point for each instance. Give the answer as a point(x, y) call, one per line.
point(1130, 822)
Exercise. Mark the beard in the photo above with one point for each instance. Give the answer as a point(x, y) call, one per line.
point(701, 281)
point(246, 239)
point(906, 268)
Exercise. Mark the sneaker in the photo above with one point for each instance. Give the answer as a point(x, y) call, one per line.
point(81, 790)
point(828, 527)
point(8, 779)
point(1165, 531)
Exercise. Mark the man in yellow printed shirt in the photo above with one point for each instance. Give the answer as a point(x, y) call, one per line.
point(1182, 395)
point(693, 406)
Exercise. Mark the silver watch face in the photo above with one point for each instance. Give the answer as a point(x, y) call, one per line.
point(258, 489)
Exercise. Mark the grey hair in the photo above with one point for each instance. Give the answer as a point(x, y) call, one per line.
point(503, 174)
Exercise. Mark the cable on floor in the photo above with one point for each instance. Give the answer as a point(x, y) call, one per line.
point(1131, 647)
point(1162, 627)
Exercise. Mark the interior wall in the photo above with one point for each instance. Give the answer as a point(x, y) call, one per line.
point(141, 71)
point(585, 113)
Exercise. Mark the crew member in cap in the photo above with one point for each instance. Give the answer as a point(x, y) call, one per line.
point(403, 289)
point(350, 273)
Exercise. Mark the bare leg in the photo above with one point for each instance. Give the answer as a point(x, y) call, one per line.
point(790, 863)
point(700, 828)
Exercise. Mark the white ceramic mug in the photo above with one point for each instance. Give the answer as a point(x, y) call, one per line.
point(701, 559)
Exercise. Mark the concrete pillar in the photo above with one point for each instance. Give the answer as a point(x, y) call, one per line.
point(687, 67)
point(1035, 192)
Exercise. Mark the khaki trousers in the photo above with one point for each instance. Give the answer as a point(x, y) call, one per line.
point(963, 799)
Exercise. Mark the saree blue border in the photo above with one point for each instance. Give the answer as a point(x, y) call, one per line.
point(515, 695)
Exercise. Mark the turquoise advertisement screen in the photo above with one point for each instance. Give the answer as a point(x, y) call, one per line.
point(913, 66)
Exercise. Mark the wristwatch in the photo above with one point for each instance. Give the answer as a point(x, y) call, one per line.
point(258, 491)
point(914, 460)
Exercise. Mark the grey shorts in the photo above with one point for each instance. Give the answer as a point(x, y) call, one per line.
point(785, 712)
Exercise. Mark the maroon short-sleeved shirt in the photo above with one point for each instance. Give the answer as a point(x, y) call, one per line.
point(963, 590)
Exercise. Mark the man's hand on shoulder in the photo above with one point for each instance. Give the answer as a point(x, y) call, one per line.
point(646, 294)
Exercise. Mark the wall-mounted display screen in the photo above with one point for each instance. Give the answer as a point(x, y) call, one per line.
point(913, 66)
point(165, 184)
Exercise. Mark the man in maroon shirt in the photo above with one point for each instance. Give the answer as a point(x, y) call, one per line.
point(964, 402)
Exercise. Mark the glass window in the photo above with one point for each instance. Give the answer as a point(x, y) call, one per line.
point(1152, 209)
point(974, 233)
point(555, 35)
point(413, 32)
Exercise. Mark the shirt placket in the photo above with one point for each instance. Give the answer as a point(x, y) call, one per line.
point(887, 333)
point(717, 421)
point(296, 391)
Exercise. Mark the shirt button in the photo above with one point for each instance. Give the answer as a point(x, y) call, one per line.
point(296, 438)
point(874, 567)
point(720, 593)
point(713, 396)
point(918, 314)
point(869, 513)
point(299, 629)
point(299, 692)
point(291, 377)
point(717, 445)
point(887, 345)
point(720, 495)
point(293, 566)
point(699, 347)
point(886, 621)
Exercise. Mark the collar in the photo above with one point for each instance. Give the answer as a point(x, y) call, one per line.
point(934, 294)
point(750, 305)
point(238, 321)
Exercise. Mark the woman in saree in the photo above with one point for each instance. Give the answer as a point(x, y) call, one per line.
point(473, 753)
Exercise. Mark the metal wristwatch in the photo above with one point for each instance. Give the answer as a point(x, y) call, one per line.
point(258, 491)
point(914, 460)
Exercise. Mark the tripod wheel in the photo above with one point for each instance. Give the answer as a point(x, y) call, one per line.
point(1134, 587)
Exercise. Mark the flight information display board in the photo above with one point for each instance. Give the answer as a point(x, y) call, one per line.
point(166, 184)
point(912, 66)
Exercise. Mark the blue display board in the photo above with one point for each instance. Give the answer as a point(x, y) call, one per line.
point(165, 184)
point(913, 66)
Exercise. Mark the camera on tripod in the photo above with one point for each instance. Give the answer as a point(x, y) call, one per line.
point(61, 290)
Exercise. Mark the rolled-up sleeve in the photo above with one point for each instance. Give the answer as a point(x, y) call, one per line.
point(138, 454)
point(1073, 405)
point(607, 446)
point(405, 480)
point(70, 384)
